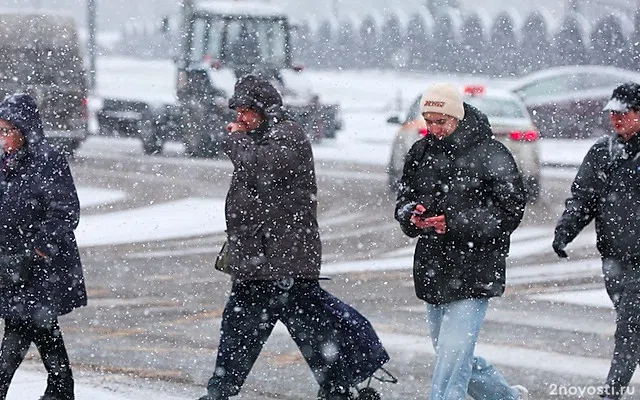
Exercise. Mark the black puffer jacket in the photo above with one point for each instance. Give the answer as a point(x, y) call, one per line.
point(271, 206)
point(607, 188)
point(473, 180)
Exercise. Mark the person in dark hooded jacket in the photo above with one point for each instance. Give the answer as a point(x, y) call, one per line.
point(461, 193)
point(40, 270)
point(275, 251)
point(607, 189)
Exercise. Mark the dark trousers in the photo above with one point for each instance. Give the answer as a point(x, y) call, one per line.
point(622, 281)
point(249, 316)
point(18, 336)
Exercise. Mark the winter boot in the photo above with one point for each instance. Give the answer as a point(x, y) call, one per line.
point(522, 392)
point(214, 395)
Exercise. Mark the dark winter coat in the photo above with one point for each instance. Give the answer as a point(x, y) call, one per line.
point(607, 188)
point(39, 209)
point(473, 180)
point(271, 208)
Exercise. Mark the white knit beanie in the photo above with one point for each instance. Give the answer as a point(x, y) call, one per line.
point(443, 98)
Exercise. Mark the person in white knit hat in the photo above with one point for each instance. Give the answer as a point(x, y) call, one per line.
point(461, 193)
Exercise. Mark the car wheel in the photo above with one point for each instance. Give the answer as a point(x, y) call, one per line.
point(197, 137)
point(200, 144)
point(532, 189)
point(393, 180)
point(151, 141)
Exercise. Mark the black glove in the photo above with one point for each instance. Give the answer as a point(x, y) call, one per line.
point(15, 269)
point(558, 247)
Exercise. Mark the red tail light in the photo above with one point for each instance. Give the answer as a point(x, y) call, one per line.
point(212, 62)
point(474, 90)
point(524, 136)
point(423, 132)
point(298, 67)
point(85, 108)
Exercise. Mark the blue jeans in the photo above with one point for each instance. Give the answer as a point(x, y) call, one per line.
point(454, 331)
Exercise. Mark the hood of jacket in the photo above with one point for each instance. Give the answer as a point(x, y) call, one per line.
point(256, 93)
point(21, 110)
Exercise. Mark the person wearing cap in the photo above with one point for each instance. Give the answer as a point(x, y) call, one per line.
point(607, 189)
point(462, 195)
point(41, 274)
point(274, 246)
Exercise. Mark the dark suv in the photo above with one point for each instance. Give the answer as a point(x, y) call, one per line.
point(40, 55)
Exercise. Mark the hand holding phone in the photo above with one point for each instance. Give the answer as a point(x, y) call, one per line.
point(419, 210)
point(418, 215)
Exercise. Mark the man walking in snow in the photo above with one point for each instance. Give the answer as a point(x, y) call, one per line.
point(463, 195)
point(607, 189)
point(275, 253)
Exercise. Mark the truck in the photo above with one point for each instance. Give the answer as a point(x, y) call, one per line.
point(221, 41)
point(40, 55)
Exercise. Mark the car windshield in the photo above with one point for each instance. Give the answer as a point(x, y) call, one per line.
point(414, 111)
point(240, 41)
point(496, 107)
point(600, 80)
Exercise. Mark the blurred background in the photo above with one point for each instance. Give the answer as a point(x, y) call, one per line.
point(460, 35)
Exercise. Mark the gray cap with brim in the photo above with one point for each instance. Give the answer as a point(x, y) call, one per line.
point(624, 98)
point(617, 105)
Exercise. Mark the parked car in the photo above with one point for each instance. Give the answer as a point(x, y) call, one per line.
point(510, 122)
point(567, 101)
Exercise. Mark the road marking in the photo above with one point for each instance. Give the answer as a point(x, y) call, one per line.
point(542, 320)
point(177, 219)
point(592, 298)
point(92, 196)
point(511, 356)
point(31, 382)
point(401, 346)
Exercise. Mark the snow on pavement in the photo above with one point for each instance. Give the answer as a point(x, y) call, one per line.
point(175, 219)
point(28, 384)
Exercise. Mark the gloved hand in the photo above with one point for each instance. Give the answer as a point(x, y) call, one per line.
point(558, 247)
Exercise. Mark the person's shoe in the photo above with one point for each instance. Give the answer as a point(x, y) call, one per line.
point(522, 392)
point(214, 396)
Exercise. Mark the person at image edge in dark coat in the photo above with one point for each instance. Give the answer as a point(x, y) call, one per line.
point(39, 211)
point(607, 189)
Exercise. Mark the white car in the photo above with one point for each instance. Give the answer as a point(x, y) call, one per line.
point(510, 122)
